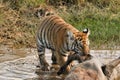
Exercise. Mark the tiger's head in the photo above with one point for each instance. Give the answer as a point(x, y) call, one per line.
point(82, 42)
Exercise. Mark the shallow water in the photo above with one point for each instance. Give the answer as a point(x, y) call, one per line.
point(20, 64)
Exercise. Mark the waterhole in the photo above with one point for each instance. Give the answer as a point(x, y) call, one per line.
point(20, 64)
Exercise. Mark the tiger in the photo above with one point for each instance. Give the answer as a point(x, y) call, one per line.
point(62, 39)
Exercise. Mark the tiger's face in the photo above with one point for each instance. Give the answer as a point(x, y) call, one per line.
point(82, 42)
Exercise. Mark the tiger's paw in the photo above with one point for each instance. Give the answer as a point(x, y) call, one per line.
point(61, 70)
point(43, 68)
point(55, 67)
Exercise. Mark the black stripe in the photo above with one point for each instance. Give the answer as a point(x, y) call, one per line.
point(56, 26)
point(61, 52)
point(41, 29)
point(43, 32)
point(50, 31)
point(64, 47)
point(40, 49)
point(57, 33)
point(73, 45)
point(46, 25)
point(61, 26)
point(46, 35)
point(67, 46)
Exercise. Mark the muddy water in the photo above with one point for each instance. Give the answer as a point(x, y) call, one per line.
point(20, 64)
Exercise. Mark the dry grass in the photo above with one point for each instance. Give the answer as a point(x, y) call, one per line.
point(18, 23)
point(17, 30)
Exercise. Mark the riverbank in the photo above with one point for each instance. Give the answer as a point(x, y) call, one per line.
point(21, 64)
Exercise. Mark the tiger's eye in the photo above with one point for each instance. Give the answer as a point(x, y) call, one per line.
point(72, 38)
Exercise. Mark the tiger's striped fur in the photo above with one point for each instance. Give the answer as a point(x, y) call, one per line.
point(55, 34)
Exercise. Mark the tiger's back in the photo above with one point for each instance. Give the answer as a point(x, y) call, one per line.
point(52, 32)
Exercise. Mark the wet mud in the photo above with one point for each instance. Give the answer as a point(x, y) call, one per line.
point(20, 64)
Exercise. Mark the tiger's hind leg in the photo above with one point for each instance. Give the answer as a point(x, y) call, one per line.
point(55, 65)
point(43, 63)
point(54, 59)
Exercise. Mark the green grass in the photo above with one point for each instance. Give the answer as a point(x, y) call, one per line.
point(104, 25)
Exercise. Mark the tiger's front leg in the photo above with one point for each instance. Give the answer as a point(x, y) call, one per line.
point(69, 60)
point(61, 61)
point(43, 63)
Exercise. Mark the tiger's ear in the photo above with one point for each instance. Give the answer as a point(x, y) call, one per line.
point(87, 31)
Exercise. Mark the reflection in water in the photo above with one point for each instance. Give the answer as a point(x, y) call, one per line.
point(17, 70)
point(21, 64)
point(48, 75)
